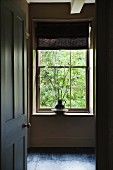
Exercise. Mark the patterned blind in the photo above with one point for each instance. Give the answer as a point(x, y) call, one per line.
point(62, 35)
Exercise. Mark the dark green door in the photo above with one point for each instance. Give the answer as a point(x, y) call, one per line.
point(13, 88)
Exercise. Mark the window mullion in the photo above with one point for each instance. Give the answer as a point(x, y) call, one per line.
point(55, 74)
point(70, 78)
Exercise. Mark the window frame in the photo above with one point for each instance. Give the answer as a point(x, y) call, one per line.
point(70, 110)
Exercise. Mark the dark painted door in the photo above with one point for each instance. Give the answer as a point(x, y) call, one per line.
point(13, 88)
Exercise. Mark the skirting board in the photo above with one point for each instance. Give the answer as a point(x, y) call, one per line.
point(62, 150)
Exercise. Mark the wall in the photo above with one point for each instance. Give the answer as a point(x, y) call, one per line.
point(62, 131)
point(76, 131)
point(59, 11)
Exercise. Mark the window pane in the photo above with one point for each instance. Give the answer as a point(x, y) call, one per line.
point(47, 58)
point(78, 88)
point(62, 57)
point(78, 97)
point(47, 97)
point(63, 83)
point(54, 57)
point(54, 85)
point(78, 57)
point(67, 98)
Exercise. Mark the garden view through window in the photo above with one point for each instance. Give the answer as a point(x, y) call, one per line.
point(62, 74)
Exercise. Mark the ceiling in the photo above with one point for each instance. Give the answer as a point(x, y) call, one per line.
point(76, 5)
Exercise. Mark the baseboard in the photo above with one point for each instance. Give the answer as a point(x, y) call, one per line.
point(90, 150)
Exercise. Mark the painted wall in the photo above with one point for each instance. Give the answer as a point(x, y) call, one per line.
point(76, 131)
point(59, 11)
point(62, 131)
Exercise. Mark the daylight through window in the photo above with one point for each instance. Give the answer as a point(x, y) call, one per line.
point(62, 74)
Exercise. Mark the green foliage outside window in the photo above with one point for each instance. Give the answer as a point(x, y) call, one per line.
point(62, 76)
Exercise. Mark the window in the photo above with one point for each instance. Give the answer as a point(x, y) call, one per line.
point(61, 62)
point(62, 74)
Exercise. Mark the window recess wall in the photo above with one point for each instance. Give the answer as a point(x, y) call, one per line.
point(55, 42)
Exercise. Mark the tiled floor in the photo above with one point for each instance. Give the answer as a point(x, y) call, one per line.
point(44, 161)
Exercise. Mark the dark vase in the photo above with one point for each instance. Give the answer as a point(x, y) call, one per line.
point(59, 105)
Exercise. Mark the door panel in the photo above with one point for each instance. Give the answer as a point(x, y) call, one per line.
point(18, 65)
point(13, 88)
point(8, 74)
point(10, 158)
point(20, 150)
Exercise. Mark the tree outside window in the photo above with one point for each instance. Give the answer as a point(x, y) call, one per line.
point(62, 74)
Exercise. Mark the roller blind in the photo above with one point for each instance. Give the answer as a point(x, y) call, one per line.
point(62, 35)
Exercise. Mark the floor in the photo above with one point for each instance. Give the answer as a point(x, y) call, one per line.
point(61, 161)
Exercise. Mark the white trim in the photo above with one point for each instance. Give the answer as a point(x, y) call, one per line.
point(65, 114)
point(54, 1)
point(48, 1)
point(89, 1)
point(28, 1)
point(76, 6)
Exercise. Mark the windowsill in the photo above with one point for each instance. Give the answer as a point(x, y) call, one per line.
point(65, 114)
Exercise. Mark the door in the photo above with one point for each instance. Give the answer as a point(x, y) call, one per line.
point(13, 88)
